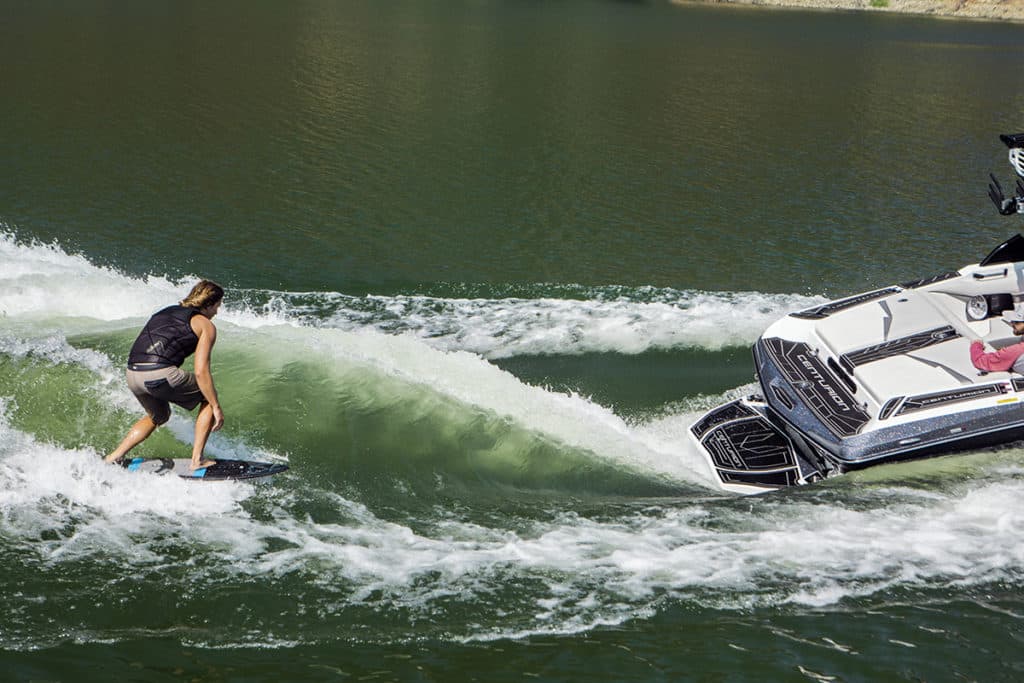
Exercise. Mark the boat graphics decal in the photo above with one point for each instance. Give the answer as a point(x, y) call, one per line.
point(720, 415)
point(825, 310)
point(923, 282)
point(926, 401)
point(898, 347)
point(819, 389)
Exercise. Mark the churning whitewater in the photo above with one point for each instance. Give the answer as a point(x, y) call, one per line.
point(426, 480)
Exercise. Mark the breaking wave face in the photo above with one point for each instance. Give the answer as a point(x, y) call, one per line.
point(427, 484)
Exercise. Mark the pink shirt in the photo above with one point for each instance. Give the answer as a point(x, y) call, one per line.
point(1003, 359)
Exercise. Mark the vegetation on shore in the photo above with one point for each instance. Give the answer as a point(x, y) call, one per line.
point(1007, 10)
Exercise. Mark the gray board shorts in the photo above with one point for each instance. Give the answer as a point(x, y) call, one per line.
point(157, 389)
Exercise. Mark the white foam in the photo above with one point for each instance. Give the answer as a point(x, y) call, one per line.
point(499, 328)
point(575, 573)
point(42, 282)
point(609, 320)
point(608, 571)
point(88, 506)
point(54, 349)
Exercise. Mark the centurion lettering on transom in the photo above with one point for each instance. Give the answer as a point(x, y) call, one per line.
point(823, 383)
point(812, 381)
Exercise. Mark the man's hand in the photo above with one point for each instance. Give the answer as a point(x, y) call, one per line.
point(218, 418)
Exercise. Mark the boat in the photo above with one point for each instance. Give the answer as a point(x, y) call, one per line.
point(878, 377)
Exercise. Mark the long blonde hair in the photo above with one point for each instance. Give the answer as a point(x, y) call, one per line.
point(205, 293)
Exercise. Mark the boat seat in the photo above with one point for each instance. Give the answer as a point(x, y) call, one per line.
point(919, 346)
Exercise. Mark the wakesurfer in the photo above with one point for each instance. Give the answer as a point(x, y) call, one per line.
point(155, 376)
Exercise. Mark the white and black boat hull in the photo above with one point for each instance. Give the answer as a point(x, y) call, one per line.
point(880, 377)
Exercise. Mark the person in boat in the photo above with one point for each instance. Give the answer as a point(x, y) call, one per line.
point(1007, 358)
point(155, 376)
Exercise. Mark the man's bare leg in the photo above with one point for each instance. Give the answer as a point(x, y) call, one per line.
point(139, 432)
point(204, 424)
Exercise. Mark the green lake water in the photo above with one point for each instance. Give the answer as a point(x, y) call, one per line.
point(486, 261)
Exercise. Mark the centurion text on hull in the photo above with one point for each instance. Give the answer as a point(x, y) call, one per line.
point(878, 377)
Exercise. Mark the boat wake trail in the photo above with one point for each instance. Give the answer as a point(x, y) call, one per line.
point(426, 482)
point(555, 319)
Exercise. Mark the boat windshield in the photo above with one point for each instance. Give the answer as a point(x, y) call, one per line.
point(1010, 251)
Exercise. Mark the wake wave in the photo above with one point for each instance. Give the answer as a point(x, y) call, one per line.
point(384, 366)
point(614, 319)
point(520, 574)
point(40, 282)
point(357, 390)
point(413, 409)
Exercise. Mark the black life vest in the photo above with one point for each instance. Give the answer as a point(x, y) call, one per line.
point(167, 339)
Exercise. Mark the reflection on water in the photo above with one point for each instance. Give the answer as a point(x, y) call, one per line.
point(363, 145)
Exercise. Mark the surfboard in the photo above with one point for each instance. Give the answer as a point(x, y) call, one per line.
point(221, 470)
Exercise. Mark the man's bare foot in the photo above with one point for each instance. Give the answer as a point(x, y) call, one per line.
point(200, 465)
point(113, 459)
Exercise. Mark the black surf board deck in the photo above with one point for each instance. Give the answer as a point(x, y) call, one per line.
point(221, 470)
